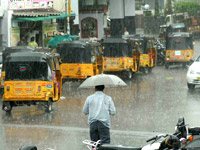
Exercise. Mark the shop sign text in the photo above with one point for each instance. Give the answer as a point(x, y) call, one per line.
point(30, 4)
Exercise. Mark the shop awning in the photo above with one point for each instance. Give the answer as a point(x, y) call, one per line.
point(43, 18)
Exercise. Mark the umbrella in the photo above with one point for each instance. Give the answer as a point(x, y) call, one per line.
point(107, 80)
point(55, 40)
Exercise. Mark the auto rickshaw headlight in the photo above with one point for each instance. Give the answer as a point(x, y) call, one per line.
point(8, 88)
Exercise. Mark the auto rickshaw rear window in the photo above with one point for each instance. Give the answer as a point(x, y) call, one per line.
point(75, 55)
point(27, 71)
point(116, 50)
point(177, 43)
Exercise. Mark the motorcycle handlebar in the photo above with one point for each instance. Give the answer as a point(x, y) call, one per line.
point(157, 137)
point(151, 139)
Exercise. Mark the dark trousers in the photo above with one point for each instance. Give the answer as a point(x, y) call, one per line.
point(98, 131)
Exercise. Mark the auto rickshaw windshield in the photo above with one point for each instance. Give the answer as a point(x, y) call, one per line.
point(28, 71)
point(116, 50)
point(75, 55)
point(177, 43)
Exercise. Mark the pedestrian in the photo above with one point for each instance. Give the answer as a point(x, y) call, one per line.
point(125, 31)
point(99, 107)
point(22, 42)
point(32, 43)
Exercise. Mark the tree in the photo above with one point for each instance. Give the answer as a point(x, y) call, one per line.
point(192, 8)
point(157, 13)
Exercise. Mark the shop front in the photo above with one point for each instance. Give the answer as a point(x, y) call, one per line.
point(36, 19)
point(38, 24)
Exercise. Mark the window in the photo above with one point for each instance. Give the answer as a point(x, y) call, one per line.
point(89, 27)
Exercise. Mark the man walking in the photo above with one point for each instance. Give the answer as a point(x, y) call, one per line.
point(99, 107)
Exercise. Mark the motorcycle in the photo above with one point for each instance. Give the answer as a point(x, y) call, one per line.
point(160, 53)
point(32, 148)
point(173, 141)
point(193, 140)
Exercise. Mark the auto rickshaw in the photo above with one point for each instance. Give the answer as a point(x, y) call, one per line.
point(179, 49)
point(118, 57)
point(144, 52)
point(148, 54)
point(6, 52)
point(32, 78)
point(80, 59)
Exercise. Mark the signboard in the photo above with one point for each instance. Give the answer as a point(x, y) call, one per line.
point(15, 36)
point(30, 4)
point(49, 31)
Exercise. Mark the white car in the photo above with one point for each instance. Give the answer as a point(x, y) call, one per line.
point(193, 74)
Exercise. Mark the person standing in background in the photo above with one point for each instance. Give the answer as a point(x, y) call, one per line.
point(22, 42)
point(32, 43)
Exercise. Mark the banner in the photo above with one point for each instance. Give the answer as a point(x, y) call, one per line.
point(15, 36)
point(30, 4)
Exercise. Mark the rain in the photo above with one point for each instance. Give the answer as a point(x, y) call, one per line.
point(150, 104)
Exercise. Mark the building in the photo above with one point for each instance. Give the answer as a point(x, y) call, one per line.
point(92, 18)
point(30, 19)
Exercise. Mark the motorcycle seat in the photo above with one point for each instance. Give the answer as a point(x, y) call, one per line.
point(118, 147)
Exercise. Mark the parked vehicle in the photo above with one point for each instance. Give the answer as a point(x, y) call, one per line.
point(148, 54)
point(31, 78)
point(129, 54)
point(169, 141)
point(179, 49)
point(80, 59)
point(118, 57)
point(160, 53)
point(6, 52)
point(193, 74)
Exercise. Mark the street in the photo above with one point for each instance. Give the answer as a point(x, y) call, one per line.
point(150, 104)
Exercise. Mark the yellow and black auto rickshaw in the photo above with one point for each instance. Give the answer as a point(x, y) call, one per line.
point(118, 57)
point(179, 49)
point(31, 78)
point(148, 54)
point(7, 52)
point(80, 59)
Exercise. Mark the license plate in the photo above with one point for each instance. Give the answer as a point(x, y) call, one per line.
point(198, 78)
point(177, 53)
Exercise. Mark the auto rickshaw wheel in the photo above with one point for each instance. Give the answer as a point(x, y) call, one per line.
point(191, 86)
point(7, 106)
point(166, 65)
point(184, 65)
point(130, 74)
point(146, 70)
point(49, 106)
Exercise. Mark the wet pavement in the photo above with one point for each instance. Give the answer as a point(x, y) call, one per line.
point(149, 105)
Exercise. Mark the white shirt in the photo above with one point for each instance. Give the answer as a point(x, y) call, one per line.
point(99, 107)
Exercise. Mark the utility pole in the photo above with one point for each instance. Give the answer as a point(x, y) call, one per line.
point(66, 19)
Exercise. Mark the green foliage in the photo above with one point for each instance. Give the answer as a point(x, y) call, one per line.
point(157, 12)
point(147, 13)
point(191, 8)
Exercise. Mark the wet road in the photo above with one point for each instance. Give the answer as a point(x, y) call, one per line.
point(149, 105)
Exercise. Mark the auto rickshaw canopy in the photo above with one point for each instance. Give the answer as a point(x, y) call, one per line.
point(75, 52)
